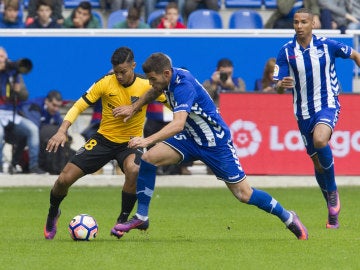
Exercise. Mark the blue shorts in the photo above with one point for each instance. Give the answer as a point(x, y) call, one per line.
point(221, 159)
point(328, 116)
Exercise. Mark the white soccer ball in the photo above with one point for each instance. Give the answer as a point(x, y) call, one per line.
point(83, 227)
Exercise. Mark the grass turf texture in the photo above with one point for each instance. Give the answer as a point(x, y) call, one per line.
point(189, 229)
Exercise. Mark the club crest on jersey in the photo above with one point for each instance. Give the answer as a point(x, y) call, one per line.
point(320, 53)
point(276, 71)
point(133, 99)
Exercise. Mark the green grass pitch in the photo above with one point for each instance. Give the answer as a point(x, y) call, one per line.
point(190, 228)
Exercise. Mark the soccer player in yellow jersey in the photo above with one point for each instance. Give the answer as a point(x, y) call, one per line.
point(122, 87)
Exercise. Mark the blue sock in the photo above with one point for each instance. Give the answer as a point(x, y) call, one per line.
point(321, 180)
point(145, 187)
point(327, 163)
point(264, 201)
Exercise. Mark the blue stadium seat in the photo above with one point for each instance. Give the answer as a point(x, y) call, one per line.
point(97, 15)
point(75, 3)
point(204, 19)
point(161, 4)
point(245, 19)
point(154, 15)
point(116, 17)
point(270, 3)
point(243, 3)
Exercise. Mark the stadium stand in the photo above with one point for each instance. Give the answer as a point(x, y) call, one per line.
point(116, 17)
point(270, 4)
point(98, 15)
point(243, 3)
point(245, 19)
point(205, 19)
point(75, 3)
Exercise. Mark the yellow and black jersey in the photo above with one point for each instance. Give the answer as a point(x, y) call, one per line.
point(113, 95)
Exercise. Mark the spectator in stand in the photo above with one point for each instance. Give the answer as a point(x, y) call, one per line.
point(44, 112)
point(56, 14)
point(150, 6)
point(81, 17)
point(282, 17)
point(94, 122)
point(43, 18)
point(132, 20)
point(171, 18)
point(355, 10)
point(192, 5)
point(266, 83)
point(336, 14)
point(223, 80)
point(12, 90)
point(115, 5)
point(11, 17)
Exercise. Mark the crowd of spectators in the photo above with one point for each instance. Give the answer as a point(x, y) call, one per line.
point(334, 14)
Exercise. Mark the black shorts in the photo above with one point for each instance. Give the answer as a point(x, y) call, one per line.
point(98, 151)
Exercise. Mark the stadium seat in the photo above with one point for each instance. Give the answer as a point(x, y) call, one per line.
point(204, 19)
point(75, 3)
point(161, 4)
point(97, 15)
point(243, 3)
point(116, 17)
point(154, 15)
point(245, 19)
point(270, 3)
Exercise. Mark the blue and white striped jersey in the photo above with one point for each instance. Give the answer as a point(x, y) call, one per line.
point(313, 70)
point(204, 123)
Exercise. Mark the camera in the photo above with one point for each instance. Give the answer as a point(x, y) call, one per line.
point(22, 66)
point(223, 76)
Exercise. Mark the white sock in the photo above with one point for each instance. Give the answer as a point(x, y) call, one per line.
point(289, 220)
point(143, 218)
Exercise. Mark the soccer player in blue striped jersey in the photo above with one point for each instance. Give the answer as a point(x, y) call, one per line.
point(306, 65)
point(197, 132)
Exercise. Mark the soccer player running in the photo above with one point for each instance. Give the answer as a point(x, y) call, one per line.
point(122, 87)
point(307, 66)
point(197, 132)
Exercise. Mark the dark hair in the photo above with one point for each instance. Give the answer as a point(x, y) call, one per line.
point(85, 5)
point(224, 62)
point(54, 94)
point(122, 55)
point(305, 10)
point(44, 3)
point(157, 62)
point(133, 13)
point(12, 4)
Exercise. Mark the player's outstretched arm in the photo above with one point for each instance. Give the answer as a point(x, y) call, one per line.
point(128, 111)
point(355, 55)
point(59, 138)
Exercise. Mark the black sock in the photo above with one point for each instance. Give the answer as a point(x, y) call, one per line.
point(128, 201)
point(54, 204)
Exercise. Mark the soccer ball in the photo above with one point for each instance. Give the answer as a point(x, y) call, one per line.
point(83, 227)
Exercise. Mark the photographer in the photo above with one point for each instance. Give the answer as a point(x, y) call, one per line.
point(14, 128)
point(222, 80)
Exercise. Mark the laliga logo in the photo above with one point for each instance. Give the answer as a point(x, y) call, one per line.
point(246, 137)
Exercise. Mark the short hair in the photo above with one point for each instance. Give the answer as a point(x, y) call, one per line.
point(44, 3)
point(133, 13)
point(85, 5)
point(12, 4)
point(305, 10)
point(122, 55)
point(224, 62)
point(171, 5)
point(157, 62)
point(54, 94)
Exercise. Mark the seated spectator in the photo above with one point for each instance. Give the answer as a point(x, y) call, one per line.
point(266, 83)
point(150, 6)
point(43, 18)
point(82, 17)
point(171, 18)
point(114, 5)
point(223, 80)
point(132, 20)
point(11, 17)
point(355, 10)
point(94, 122)
point(192, 5)
point(56, 14)
point(44, 112)
point(336, 14)
point(282, 17)
point(11, 92)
